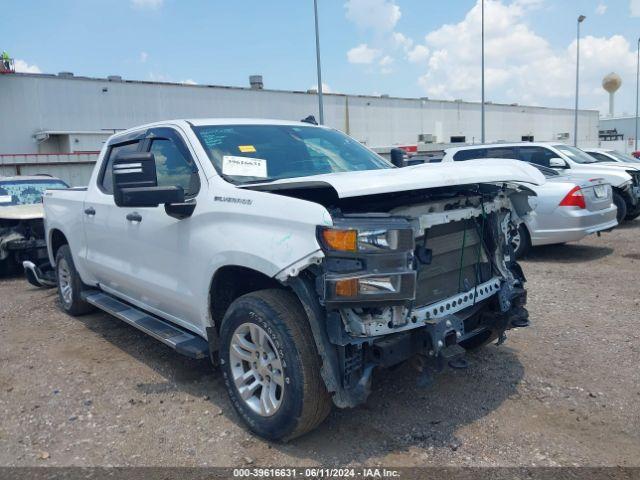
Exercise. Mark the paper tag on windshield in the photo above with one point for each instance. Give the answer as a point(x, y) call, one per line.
point(244, 166)
point(5, 198)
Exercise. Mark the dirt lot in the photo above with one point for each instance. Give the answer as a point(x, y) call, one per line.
point(565, 391)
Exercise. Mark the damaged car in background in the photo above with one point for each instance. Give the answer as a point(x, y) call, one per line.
point(293, 256)
point(21, 221)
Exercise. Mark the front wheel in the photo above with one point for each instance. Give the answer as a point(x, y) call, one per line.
point(271, 365)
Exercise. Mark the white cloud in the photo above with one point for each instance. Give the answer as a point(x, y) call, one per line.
point(23, 67)
point(634, 8)
point(188, 81)
point(601, 9)
point(521, 66)
point(148, 4)
point(401, 41)
point(385, 64)
point(418, 54)
point(362, 54)
point(377, 15)
point(143, 57)
point(325, 88)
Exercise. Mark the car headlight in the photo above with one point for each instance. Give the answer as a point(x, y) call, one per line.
point(368, 261)
point(367, 240)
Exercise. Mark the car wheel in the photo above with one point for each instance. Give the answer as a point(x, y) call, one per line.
point(70, 286)
point(271, 366)
point(619, 202)
point(632, 215)
point(520, 241)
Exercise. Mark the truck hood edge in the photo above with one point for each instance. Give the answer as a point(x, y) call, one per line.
point(417, 177)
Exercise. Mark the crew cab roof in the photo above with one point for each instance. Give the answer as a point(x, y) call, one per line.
point(198, 122)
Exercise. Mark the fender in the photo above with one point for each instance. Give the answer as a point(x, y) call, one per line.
point(302, 286)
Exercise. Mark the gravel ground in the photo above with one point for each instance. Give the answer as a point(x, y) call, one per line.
point(92, 391)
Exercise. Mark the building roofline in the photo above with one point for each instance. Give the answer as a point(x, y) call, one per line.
point(229, 87)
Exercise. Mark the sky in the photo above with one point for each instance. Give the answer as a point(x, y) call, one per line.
point(404, 48)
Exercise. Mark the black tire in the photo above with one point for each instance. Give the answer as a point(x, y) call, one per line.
point(632, 215)
point(619, 202)
point(523, 246)
point(70, 301)
point(304, 400)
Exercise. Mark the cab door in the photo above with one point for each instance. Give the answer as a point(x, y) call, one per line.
point(104, 228)
point(157, 243)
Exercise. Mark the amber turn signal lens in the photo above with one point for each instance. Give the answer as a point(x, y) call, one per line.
point(341, 240)
point(347, 287)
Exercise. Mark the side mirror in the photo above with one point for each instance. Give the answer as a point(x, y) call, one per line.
point(397, 157)
point(557, 163)
point(135, 183)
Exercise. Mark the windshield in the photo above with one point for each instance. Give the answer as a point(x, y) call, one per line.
point(576, 154)
point(623, 157)
point(250, 153)
point(26, 192)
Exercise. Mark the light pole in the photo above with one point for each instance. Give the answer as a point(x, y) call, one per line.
point(320, 108)
point(637, 93)
point(482, 130)
point(575, 120)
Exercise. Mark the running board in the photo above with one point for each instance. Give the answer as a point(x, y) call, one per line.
point(180, 340)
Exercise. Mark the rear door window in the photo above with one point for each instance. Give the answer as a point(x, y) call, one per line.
point(471, 154)
point(502, 152)
point(106, 181)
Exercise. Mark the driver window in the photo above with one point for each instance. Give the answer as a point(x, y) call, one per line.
point(172, 168)
point(538, 155)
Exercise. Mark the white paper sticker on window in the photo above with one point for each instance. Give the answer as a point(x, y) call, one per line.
point(5, 198)
point(244, 166)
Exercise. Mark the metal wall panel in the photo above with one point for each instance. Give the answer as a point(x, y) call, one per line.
point(46, 102)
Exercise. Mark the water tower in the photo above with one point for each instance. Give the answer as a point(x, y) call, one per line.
point(611, 83)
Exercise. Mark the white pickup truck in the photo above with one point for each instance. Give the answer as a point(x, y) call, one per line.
point(294, 257)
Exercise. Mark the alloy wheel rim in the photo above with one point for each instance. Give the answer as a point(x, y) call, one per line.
point(256, 369)
point(515, 241)
point(64, 282)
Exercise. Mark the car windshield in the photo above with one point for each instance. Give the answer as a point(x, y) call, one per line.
point(26, 192)
point(576, 154)
point(623, 157)
point(257, 153)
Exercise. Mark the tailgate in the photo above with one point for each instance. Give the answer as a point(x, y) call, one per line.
point(598, 195)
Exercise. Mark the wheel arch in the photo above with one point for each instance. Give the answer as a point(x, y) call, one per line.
point(56, 240)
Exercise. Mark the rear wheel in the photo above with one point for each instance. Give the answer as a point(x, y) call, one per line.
point(520, 241)
point(69, 284)
point(619, 202)
point(271, 366)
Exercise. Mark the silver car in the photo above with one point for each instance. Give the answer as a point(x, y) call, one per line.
point(607, 155)
point(565, 211)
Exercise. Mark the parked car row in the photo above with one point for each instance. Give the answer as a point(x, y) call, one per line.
point(300, 261)
point(587, 189)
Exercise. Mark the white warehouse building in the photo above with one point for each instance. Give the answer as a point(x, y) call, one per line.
point(55, 123)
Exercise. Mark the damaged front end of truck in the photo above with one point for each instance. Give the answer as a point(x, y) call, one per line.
point(420, 275)
point(425, 279)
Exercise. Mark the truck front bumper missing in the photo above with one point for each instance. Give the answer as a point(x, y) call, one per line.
point(438, 341)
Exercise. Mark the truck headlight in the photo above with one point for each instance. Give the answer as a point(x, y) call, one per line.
point(375, 240)
point(400, 286)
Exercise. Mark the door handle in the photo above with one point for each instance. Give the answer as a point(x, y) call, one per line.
point(90, 211)
point(134, 217)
